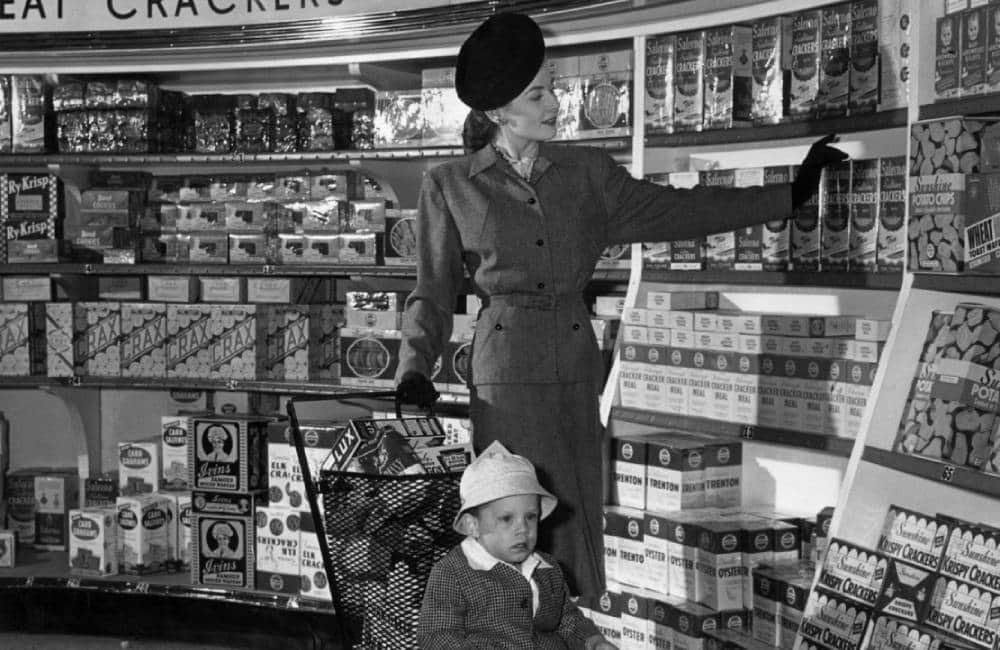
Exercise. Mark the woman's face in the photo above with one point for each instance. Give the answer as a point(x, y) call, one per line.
point(508, 527)
point(531, 116)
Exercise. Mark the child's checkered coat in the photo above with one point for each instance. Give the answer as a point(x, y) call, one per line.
point(467, 608)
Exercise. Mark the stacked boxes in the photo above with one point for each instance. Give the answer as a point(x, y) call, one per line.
point(31, 213)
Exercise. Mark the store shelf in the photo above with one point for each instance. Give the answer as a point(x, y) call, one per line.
point(975, 105)
point(811, 128)
point(142, 160)
point(850, 280)
point(276, 270)
point(961, 477)
point(978, 284)
point(49, 569)
point(829, 444)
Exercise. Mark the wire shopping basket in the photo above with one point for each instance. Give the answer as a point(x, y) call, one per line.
point(380, 536)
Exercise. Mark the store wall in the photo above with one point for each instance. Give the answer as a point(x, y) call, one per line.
point(43, 426)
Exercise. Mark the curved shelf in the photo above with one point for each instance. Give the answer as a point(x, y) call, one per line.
point(851, 124)
point(977, 284)
point(263, 270)
point(48, 570)
point(850, 280)
point(937, 471)
point(974, 105)
point(750, 432)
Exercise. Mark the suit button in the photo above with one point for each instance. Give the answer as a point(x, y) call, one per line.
point(532, 201)
point(540, 242)
point(525, 602)
point(576, 326)
point(541, 285)
point(498, 327)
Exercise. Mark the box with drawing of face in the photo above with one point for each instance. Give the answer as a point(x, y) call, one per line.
point(228, 454)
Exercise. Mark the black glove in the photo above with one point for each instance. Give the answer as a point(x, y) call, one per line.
point(806, 182)
point(416, 389)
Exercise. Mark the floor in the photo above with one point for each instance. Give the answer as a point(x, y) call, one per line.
point(21, 641)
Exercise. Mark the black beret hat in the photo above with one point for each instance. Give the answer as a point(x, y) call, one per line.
point(498, 61)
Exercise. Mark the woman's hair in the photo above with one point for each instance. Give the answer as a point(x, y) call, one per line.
point(478, 131)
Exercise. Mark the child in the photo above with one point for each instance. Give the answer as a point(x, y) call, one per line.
point(494, 590)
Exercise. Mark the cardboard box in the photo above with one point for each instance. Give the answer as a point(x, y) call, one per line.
point(234, 342)
point(895, 47)
point(189, 346)
point(864, 206)
point(19, 490)
point(27, 288)
point(172, 288)
point(947, 83)
point(144, 340)
point(55, 494)
point(93, 540)
point(836, 216)
point(228, 454)
point(972, 69)
point(728, 87)
point(228, 290)
point(675, 476)
point(175, 432)
point(835, 60)
point(368, 358)
point(277, 553)
point(835, 621)
point(806, 235)
point(138, 467)
point(689, 95)
point(222, 551)
point(660, 55)
point(992, 50)
point(771, 61)
point(913, 537)
point(143, 530)
point(606, 85)
point(891, 242)
point(805, 64)
point(853, 572)
point(313, 580)
point(23, 330)
point(865, 71)
point(964, 611)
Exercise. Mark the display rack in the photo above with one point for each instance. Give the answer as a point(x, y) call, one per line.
point(848, 280)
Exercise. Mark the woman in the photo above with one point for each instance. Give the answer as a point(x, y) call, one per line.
point(528, 220)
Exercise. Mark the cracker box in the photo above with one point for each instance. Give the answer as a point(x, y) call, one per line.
point(628, 469)
point(8, 549)
point(172, 288)
point(222, 290)
point(97, 331)
point(636, 624)
point(719, 566)
point(967, 612)
point(55, 494)
point(93, 539)
point(613, 532)
point(189, 343)
point(835, 60)
point(720, 248)
point(864, 205)
point(728, 81)
point(31, 101)
point(249, 248)
point(723, 463)
point(771, 69)
point(682, 551)
point(100, 491)
point(913, 537)
point(888, 633)
point(20, 496)
point(891, 240)
point(660, 53)
point(946, 59)
point(853, 572)
point(566, 82)
point(805, 64)
point(863, 95)
point(791, 609)
point(286, 488)
point(776, 234)
point(299, 290)
point(982, 243)
point(443, 112)
point(700, 374)
point(313, 580)
point(228, 454)
point(675, 476)
point(222, 551)
point(607, 616)
point(936, 223)
point(27, 288)
point(677, 388)
point(657, 566)
point(631, 549)
point(806, 230)
point(972, 67)
point(694, 624)
point(234, 342)
point(185, 520)
point(834, 622)
point(143, 530)
point(368, 358)
point(23, 346)
point(138, 467)
point(973, 556)
point(144, 340)
point(906, 592)
point(606, 86)
point(835, 239)
point(993, 48)
point(766, 592)
point(895, 47)
point(689, 96)
point(277, 552)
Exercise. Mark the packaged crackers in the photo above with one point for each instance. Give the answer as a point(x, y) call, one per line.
point(835, 60)
point(863, 95)
point(805, 64)
point(728, 88)
point(771, 68)
point(660, 53)
point(689, 81)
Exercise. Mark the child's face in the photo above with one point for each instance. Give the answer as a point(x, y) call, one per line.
point(508, 527)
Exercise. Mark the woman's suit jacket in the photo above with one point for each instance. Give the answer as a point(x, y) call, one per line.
point(531, 248)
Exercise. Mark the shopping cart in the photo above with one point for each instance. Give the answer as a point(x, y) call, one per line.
point(380, 537)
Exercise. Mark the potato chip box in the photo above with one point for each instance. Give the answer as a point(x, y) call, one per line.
point(228, 453)
point(144, 340)
point(143, 533)
point(728, 77)
point(93, 540)
point(172, 288)
point(938, 214)
point(55, 494)
point(805, 64)
point(27, 288)
point(368, 358)
point(913, 537)
point(313, 580)
point(138, 467)
point(277, 554)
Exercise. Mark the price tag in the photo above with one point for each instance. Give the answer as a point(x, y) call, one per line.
point(141, 588)
point(746, 432)
point(29, 581)
point(947, 473)
point(293, 602)
point(268, 269)
point(73, 583)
